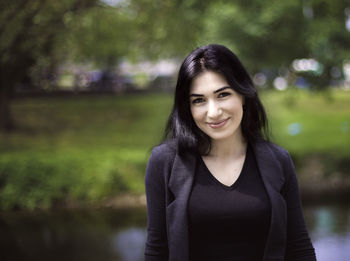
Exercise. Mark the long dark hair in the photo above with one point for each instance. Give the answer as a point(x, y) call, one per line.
point(220, 59)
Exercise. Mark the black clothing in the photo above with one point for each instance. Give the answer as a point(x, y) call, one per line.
point(228, 222)
point(169, 179)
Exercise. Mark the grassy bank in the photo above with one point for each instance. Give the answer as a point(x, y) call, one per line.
point(86, 149)
point(79, 149)
point(320, 122)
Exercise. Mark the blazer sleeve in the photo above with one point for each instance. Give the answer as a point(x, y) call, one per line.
point(156, 247)
point(299, 246)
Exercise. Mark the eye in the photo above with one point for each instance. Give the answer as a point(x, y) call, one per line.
point(223, 94)
point(197, 100)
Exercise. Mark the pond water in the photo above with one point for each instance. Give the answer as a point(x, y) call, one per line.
point(108, 234)
point(329, 227)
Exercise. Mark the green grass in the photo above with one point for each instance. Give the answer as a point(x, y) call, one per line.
point(86, 149)
point(324, 121)
point(81, 148)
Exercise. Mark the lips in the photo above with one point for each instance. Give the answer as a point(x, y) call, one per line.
point(218, 124)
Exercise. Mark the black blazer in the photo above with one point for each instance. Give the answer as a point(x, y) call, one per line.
point(169, 179)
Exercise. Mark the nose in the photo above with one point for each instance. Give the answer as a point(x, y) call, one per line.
point(214, 110)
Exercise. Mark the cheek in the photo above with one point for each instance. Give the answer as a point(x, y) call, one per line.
point(235, 106)
point(196, 113)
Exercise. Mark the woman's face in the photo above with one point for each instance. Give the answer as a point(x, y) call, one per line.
point(216, 108)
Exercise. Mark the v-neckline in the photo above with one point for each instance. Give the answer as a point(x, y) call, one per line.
point(236, 182)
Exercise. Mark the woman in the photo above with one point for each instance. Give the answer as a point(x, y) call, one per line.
point(216, 189)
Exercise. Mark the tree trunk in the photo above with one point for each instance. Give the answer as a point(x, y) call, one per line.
point(6, 121)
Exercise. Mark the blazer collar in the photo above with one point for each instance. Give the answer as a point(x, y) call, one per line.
point(269, 166)
point(271, 172)
point(180, 185)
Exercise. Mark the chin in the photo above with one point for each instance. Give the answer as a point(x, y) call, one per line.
point(223, 134)
point(220, 136)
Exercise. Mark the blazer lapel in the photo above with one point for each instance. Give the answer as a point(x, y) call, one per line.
point(180, 184)
point(271, 172)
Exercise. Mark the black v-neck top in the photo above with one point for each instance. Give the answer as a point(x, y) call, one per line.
point(228, 222)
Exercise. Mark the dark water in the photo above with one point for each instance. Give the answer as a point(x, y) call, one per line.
point(329, 227)
point(120, 234)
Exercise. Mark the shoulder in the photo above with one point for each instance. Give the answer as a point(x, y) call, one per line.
point(274, 154)
point(164, 151)
point(162, 157)
point(279, 153)
point(281, 157)
point(275, 159)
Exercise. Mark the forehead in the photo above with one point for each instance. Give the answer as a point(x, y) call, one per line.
point(207, 82)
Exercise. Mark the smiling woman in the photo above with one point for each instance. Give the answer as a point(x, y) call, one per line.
point(216, 108)
point(216, 188)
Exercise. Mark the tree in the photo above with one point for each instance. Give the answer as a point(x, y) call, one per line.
point(271, 34)
point(263, 33)
point(328, 38)
point(142, 29)
point(168, 28)
point(28, 36)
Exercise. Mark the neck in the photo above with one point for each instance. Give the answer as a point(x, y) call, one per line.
point(230, 147)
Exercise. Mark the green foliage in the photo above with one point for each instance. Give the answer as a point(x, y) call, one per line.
point(137, 30)
point(265, 34)
point(31, 45)
point(30, 31)
point(102, 35)
point(167, 28)
point(271, 34)
point(40, 179)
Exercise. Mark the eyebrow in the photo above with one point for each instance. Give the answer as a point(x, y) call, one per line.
point(216, 91)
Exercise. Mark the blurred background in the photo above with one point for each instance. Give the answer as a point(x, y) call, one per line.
point(85, 90)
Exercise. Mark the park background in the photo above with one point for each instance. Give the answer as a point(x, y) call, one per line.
point(85, 90)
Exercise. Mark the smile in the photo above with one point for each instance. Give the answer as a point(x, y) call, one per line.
point(218, 124)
